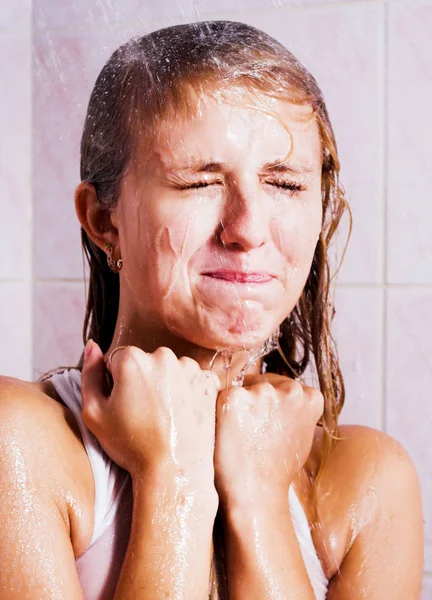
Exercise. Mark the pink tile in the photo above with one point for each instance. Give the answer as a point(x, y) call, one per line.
point(409, 380)
point(341, 46)
point(15, 157)
point(409, 128)
point(206, 7)
point(15, 327)
point(358, 332)
point(15, 16)
point(82, 13)
point(427, 588)
point(59, 315)
point(65, 70)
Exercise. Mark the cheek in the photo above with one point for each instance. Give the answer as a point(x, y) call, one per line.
point(297, 234)
point(174, 243)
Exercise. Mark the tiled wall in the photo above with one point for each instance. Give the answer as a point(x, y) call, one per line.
point(15, 189)
point(373, 60)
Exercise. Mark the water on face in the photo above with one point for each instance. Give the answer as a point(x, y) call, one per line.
point(109, 9)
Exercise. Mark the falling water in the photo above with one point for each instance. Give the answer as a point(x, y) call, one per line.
point(253, 356)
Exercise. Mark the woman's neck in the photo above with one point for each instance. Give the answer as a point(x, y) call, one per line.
point(229, 366)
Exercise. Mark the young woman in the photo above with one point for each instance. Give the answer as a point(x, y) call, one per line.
point(184, 457)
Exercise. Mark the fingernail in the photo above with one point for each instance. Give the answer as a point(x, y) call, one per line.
point(88, 349)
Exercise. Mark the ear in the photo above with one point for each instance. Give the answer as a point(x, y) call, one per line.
point(95, 219)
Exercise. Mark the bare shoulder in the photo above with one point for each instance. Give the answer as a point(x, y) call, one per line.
point(29, 412)
point(368, 476)
point(17, 395)
point(40, 443)
point(366, 451)
point(365, 456)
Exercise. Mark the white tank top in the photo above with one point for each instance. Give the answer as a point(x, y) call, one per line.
point(99, 566)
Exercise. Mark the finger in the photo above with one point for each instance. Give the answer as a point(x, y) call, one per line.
point(214, 379)
point(128, 365)
point(188, 363)
point(237, 397)
point(108, 362)
point(316, 400)
point(273, 378)
point(93, 382)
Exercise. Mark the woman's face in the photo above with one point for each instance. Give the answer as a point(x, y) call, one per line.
point(218, 227)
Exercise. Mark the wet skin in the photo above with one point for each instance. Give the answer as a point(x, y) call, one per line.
point(217, 229)
point(233, 190)
point(366, 460)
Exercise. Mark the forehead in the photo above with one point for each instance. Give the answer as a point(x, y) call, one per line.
point(228, 127)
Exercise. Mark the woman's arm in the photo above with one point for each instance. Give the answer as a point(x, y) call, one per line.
point(40, 458)
point(170, 541)
point(36, 554)
point(157, 422)
point(268, 426)
point(385, 556)
point(385, 559)
point(263, 555)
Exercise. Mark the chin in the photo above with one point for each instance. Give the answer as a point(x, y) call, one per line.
point(222, 330)
point(236, 337)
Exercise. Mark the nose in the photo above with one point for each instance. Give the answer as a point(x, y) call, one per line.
point(245, 219)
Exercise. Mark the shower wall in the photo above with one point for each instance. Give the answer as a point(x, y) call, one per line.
point(373, 60)
point(16, 199)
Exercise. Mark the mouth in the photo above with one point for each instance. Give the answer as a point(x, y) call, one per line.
point(240, 276)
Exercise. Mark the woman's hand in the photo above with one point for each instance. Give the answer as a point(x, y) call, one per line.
point(160, 413)
point(264, 434)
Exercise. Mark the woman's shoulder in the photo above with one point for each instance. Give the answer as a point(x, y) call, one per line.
point(362, 478)
point(365, 455)
point(42, 435)
point(35, 406)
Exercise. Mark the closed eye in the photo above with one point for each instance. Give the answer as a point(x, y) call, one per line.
point(199, 184)
point(287, 185)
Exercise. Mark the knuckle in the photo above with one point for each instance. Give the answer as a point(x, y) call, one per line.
point(317, 396)
point(223, 396)
point(132, 354)
point(189, 363)
point(297, 388)
point(239, 393)
point(241, 398)
point(165, 354)
point(129, 360)
point(314, 395)
point(292, 387)
point(90, 414)
point(264, 388)
point(296, 393)
point(317, 400)
point(233, 397)
point(215, 379)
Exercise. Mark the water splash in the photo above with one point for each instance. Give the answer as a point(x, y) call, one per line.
point(269, 345)
point(253, 356)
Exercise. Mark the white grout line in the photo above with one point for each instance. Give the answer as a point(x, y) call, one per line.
point(32, 282)
point(384, 120)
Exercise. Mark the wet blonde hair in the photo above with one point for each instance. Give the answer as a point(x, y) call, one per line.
point(143, 84)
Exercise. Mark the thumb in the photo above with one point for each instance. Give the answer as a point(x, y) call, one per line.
point(217, 381)
point(93, 383)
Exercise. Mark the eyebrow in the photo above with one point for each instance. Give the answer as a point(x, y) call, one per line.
point(218, 167)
